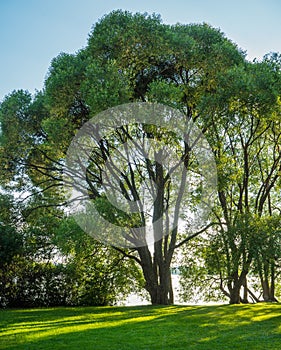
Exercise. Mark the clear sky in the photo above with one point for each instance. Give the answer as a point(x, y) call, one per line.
point(32, 32)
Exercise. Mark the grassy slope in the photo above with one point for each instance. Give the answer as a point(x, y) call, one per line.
point(138, 328)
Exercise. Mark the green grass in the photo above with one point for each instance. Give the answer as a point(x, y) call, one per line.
point(142, 328)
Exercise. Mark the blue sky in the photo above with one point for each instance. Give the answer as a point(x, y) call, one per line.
point(32, 32)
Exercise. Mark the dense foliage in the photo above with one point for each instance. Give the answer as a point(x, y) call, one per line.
point(199, 72)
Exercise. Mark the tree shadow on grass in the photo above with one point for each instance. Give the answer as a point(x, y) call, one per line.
point(142, 328)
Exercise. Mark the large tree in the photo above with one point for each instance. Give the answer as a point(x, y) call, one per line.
point(147, 61)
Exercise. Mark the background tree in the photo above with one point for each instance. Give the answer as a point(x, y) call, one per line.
point(245, 137)
point(267, 257)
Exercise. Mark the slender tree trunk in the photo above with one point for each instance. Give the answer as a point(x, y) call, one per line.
point(268, 285)
point(171, 291)
point(252, 295)
point(272, 287)
point(265, 289)
point(245, 291)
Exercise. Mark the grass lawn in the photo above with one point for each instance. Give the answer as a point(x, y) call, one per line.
point(242, 327)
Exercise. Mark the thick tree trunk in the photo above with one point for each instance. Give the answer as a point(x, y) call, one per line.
point(233, 289)
point(160, 296)
point(158, 280)
point(234, 286)
point(234, 294)
point(160, 292)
